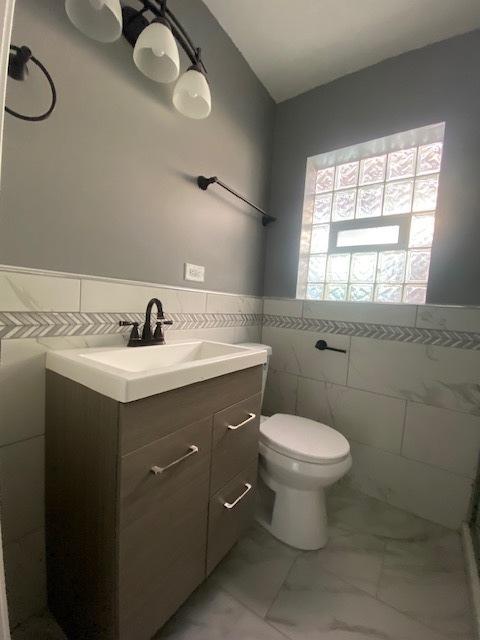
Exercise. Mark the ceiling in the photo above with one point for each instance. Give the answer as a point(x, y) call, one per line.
point(295, 46)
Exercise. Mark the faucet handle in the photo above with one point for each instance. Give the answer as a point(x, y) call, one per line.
point(158, 333)
point(134, 333)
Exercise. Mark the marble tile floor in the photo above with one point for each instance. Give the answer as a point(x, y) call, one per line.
point(384, 575)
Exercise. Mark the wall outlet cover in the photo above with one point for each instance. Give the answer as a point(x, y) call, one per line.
point(194, 272)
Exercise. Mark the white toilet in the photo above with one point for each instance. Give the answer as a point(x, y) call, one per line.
point(298, 459)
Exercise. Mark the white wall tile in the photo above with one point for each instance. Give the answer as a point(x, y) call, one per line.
point(223, 303)
point(437, 376)
point(98, 295)
point(294, 351)
point(443, 438)
point(27, 292)
point(22, 390)
point(426, 491)
point(22, 381)
point(452, 318)
point(283, 307)
point(22, 471)
point(25, 575)
point(393, 314)
point(248, 334)
point(313, 401)
point(280, 393)
point(366, 417)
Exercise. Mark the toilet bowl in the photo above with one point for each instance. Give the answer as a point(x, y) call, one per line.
point(299, 458)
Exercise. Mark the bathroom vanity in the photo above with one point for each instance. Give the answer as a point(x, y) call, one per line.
point(146, 496)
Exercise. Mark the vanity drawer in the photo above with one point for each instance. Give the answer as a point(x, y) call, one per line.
point(230, 514)
point(235, 440)
point(146, 420)
point(152, 474)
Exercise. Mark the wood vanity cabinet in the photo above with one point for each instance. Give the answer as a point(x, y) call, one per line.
point(144, 498)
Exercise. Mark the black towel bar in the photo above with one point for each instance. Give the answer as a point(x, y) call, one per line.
point(204, 183)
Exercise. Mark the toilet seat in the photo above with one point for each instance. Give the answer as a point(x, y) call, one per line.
point(303, 439)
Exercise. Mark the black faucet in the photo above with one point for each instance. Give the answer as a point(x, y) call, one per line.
point(147, 338)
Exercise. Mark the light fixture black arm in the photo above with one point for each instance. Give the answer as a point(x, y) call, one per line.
point(204, 183)
point(17, 69)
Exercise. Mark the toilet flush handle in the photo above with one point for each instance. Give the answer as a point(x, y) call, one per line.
point(322, 346)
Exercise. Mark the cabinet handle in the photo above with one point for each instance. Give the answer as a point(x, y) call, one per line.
point(191, 451)
point(234, 427)
point(230, 505)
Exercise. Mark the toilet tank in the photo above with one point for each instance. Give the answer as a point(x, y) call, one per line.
point(268, 349)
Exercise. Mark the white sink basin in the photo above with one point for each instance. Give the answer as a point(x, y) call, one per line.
point(130, 373)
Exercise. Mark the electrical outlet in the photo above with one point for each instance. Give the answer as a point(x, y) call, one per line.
point(194, 272)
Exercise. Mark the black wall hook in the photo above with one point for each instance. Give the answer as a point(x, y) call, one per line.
point(322, 345)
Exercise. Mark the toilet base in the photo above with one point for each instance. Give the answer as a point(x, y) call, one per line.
point(298, 518)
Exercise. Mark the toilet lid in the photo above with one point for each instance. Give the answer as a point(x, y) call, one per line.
point(303, 439)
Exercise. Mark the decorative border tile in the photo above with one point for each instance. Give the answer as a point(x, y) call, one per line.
point(435, 337)
point(35, 324)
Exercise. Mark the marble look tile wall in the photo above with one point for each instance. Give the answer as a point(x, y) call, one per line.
point(48, 306)
point(410, 408)
point(411, 411)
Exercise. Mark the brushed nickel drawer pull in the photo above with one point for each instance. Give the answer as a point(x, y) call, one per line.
point(230, 505)
point(234, 427)
point(191, 451)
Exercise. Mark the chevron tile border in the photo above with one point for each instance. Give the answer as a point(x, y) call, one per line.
point(35, 324)
point(414, 335)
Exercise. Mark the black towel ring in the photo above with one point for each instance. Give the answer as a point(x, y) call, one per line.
point(17, 69)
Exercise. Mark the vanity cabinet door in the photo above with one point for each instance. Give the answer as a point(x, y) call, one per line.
point(230, 514)
point(235, 440)
point(163, 527)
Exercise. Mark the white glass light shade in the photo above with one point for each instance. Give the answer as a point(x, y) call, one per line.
point(98, 19)
point(156, 53)
point(192, 95)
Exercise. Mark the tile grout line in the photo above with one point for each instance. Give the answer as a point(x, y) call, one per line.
point(254, 613)
point(384, 553)
point(287, 575)
point(404, 427)
point(19, 539)
point(22, 440)
point(398, 453)
point(389, 606)
point(377, 393)
point(349, 356)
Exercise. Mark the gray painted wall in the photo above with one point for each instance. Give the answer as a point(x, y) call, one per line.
point(105, 186)
point(437, 83)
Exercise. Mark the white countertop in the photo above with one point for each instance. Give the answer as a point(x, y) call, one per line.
point(130, 373)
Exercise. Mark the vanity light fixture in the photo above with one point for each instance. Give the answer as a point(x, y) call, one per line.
point(154, 40)
point(98, 19)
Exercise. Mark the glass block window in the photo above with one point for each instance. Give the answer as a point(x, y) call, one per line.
point(369, 220)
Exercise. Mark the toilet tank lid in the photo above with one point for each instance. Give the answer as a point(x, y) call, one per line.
point(303, 439)
point(257, 345)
